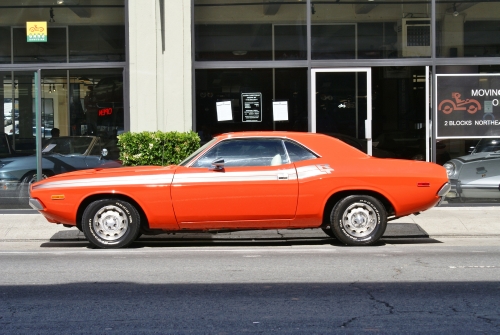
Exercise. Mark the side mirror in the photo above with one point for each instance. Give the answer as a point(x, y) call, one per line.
point(218, 164)
point(104, 152)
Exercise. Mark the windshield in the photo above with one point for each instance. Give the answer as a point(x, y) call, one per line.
point(67, 145)
point(488, 145)
point(194, 154)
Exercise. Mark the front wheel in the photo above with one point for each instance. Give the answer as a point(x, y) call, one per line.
point(110, 223)
point(358, 220)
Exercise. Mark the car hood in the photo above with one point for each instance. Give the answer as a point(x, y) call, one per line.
point(26, 160)
point(478, 156)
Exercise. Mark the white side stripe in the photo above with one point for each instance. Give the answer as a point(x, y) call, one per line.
point(313, 170)
point(213, 177)
point(157, 179)
point(202, 177)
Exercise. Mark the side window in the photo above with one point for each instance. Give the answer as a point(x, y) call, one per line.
point(297, 152)
point(248, 152)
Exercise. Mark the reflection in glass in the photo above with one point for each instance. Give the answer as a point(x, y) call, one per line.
point(214, 86)
point(52, 51)
point(468, 29)
point(356, 30)
point(5, 45)
point(235, 30)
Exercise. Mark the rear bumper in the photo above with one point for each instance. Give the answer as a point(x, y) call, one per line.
point(35, 204)
point(444, 189)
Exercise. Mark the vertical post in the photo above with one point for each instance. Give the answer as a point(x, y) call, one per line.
point(38, 118)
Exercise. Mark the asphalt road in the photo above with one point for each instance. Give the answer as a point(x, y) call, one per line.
point(402, 286)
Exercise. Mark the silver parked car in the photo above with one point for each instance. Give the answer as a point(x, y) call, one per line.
point(59, 155)
point(476, 177)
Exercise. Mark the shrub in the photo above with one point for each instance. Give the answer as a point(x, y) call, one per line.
point(156, 148)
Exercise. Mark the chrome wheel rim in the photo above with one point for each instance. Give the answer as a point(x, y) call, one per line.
point(110, 223)
point(359, 219)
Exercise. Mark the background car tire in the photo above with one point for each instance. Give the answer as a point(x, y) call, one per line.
point(358, 220)
point(26, 181)
point(110, 223)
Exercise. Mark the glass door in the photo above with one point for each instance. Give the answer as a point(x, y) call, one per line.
point(342, 105)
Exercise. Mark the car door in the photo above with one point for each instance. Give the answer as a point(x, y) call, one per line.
point(257, 186)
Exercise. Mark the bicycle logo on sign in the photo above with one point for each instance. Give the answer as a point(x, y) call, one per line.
point(37, 29)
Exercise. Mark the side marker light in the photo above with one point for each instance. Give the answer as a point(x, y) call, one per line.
point(423, 184)
point(57, 197)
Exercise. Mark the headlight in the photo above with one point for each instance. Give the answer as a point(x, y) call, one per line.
point(450, 168)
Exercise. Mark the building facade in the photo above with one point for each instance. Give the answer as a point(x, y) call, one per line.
point(407, 79)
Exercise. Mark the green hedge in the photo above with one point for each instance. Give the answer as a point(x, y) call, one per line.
point(156, 148)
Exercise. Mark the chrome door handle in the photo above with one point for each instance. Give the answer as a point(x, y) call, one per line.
point(282, 176)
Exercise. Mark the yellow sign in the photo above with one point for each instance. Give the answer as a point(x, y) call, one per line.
point(36, 31)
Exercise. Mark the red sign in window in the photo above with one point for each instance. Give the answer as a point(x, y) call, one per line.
point(105, 111)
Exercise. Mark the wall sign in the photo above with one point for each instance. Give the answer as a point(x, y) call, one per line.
point(468, 105)
point(36, 31)
point(251, 104)
point(105, 111)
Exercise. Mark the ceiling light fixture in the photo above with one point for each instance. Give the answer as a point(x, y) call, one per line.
point(60, 2)
point(455, 12)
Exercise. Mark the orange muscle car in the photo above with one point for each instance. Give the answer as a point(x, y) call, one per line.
point(247, 180)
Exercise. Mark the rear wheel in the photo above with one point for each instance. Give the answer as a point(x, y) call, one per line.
point(111, 223)
point(358, 220)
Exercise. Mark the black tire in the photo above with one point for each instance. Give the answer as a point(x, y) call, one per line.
point(328, 231)
point(358, 220)
point(111, 223)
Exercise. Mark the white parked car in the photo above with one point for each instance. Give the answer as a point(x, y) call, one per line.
point(476, 177)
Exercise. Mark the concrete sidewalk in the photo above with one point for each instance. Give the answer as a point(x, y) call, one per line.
point(436, 222)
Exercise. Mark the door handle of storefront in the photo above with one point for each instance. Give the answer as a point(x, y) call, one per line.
point(368, 129)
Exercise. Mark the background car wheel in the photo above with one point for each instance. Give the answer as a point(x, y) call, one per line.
point(110, 223)
point(26, 181)
point(358, 220)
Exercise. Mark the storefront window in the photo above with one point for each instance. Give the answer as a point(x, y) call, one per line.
point(232, 31)
point(79, 107)
point(52, 51)
point(468, 29)
point(354, 30)
point(94, 31)
point(467, 123)
point(249, 95)
point(5, 45)
point(97, 43)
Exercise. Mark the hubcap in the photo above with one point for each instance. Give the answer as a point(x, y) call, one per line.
point(359, 219)
point(110, 223)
